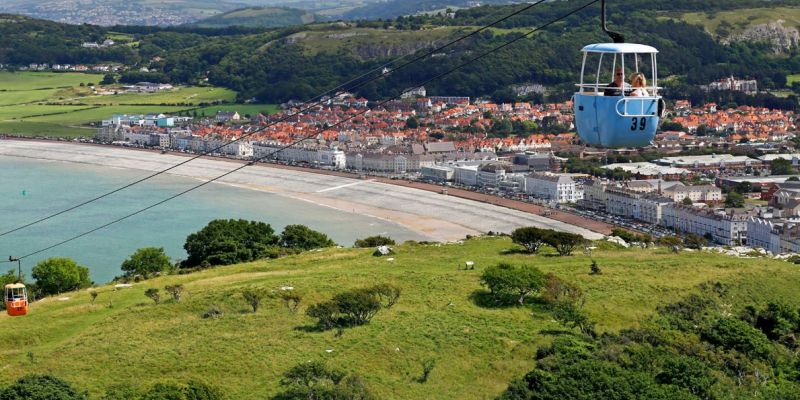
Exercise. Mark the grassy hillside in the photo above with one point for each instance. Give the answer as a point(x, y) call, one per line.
point(126, 338)
point(62, 104)
point(259, 17)
point(742, 19)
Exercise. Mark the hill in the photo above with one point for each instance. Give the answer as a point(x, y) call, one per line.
point(124, 338)
point(278, 64)
point(259, 17)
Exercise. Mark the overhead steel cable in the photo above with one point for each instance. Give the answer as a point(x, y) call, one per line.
point(482, 55)
point(285, 118)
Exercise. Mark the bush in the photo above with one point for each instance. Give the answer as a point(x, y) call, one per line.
point(175, 291)
point(253, 297)
point(224, 242)
point(505, 279)
point(291, 300)
point(303, 238)
point(732, 333)
point(40, 387)
point(570, 315)
point(374, 241)
point(353, 307)
point(213, 312)
point(57, 275)
point(556, 290)
point(693, 241)
point(153, 294)
point(146, 262)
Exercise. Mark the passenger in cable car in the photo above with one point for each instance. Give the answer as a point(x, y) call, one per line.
point(615, 88)
point(638, 82)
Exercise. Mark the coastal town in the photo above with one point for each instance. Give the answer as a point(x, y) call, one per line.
point(727, 175)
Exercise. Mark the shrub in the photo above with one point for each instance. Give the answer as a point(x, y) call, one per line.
point(40, 387)
point(693, 241)
point(253, 297)
point(325, 313)
point(732, 333)
point(374, 241)
point(570, 315)
point(153, 294)
point(164, 391)
point(146, 262)
point(556, 290)
point(175, 291)
point(291, 300)
point(387, 293)
point(213, 312)
point(427, 368)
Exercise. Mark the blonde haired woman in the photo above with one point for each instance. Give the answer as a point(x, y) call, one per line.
point(638, 82)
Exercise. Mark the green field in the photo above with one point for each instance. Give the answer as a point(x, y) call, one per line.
point(55, 104)
point(126, 338)
point(744, 18)
point(242, 109)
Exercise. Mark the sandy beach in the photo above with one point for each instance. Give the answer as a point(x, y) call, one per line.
point(439, 217)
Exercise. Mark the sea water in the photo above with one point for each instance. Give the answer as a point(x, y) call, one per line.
point(31, 189)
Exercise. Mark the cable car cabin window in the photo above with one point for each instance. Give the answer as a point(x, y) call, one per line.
point(610, 74)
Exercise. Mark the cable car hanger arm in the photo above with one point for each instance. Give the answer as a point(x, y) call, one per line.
point(615, 36)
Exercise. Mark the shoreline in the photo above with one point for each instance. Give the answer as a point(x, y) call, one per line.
point(415, 206)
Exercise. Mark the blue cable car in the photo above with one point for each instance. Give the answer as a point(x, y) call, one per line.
point(610, 111)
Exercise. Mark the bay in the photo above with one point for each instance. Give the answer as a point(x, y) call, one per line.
point(31, 189)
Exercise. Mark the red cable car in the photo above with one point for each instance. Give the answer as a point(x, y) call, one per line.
point(16, 299)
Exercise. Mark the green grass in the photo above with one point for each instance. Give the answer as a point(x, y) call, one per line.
point(42, 80)
point(744, 18)
point(242, 109)
point(125, 338)
point(792, 79)
point(54, 104)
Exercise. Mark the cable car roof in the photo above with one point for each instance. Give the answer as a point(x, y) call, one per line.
point(15, 286)
point(619, 48)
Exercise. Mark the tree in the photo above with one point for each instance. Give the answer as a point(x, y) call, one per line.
point(687, 201)
point(146, 262)
point(230, 241)
point(57, 275)
point(520, 281)
point(153, 294)
point(734, 200)
point(108, 79)
point(564, 242)
point(303, 238)
point(374, 241)
point(782, 166)
point(41, 387)
point(412, 123)
point(253, 297)
point(326, 314)
point(530, 237)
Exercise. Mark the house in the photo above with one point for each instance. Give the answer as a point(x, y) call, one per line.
point(227, 116)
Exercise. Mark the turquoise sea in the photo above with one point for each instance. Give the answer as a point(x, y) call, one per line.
point(30, 189)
